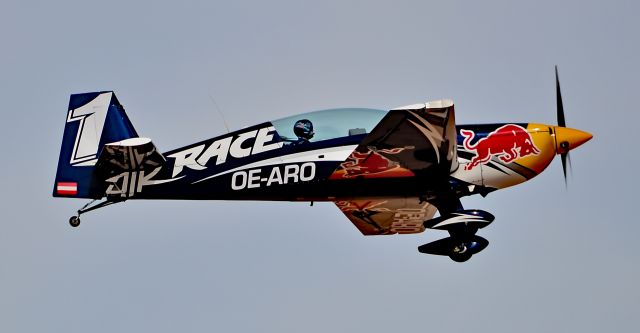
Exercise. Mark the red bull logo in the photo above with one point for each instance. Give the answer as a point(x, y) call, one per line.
point(508, 143)
point(371, 162)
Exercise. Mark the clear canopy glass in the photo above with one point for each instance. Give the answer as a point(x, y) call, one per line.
point(329, 124)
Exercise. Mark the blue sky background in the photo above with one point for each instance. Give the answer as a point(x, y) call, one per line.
point(561, 260)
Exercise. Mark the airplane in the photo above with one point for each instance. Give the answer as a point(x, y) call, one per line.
point(389, 171)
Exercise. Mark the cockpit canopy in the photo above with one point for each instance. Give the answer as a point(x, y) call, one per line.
point(330, 124)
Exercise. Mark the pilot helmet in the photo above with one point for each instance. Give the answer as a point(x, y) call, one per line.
point(303, 129)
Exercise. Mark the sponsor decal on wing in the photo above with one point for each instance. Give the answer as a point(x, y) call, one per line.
point(390, 216)
point(371, 164)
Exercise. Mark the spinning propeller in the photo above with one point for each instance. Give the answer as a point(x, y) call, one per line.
point(566, 138)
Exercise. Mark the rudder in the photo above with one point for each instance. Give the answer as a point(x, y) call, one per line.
point(93, 120)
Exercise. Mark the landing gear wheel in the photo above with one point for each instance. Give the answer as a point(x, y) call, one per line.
point(460, 257)
point(74, 221)
point(459, 249)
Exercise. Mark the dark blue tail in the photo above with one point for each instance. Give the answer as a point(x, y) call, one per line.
point(93, 120)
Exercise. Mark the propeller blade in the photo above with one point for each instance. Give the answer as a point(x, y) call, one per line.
point(564, 157)
point(559, 106)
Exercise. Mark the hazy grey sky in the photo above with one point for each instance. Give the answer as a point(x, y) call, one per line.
point(559, 260)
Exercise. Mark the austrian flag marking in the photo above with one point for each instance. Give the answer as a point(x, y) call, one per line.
point(67, 188)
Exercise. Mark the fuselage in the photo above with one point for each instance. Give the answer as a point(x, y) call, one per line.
point(268, 162)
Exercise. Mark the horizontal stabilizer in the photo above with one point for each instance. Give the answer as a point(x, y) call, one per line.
point(133, 154)
point(128, 165)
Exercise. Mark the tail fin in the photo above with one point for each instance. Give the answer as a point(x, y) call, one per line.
point(93, 120)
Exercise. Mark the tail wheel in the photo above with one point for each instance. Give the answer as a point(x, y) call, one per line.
point(74, 221)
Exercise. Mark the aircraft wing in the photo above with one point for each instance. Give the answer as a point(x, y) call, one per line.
point(386, 216)
point(413, 140)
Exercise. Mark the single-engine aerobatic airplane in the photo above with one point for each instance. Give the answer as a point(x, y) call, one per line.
point(387, 171)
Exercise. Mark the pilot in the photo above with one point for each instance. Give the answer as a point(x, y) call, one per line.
point(303, 129)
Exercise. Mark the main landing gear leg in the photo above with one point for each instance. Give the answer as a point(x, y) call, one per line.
point(74, 221)
point(462, 226)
